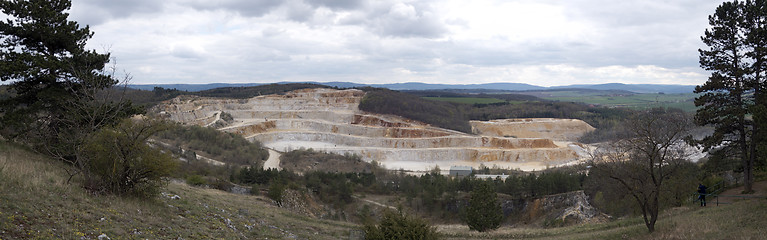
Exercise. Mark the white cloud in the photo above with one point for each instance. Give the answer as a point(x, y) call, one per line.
point(189, 51)
point(542, 42)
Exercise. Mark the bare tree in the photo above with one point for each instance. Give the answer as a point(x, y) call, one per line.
point(641, 163)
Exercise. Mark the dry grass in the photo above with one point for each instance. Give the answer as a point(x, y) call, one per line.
point(21, 169)
point(741, 220)
point(36, 203)
point(612, 230)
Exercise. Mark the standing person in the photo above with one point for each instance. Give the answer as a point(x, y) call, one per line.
point(702, 192)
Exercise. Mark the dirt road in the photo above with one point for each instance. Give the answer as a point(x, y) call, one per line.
point(273, 161)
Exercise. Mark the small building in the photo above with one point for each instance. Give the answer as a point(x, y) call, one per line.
point(460, 171)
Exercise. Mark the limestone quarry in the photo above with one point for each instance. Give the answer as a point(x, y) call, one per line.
point(551, 128)
point(329, 120)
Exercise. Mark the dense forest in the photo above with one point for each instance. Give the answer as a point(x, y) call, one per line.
point(158, 94)
point(440, 114)
point(456, 116)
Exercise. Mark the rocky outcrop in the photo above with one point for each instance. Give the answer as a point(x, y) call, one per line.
point(555, 210)
point(329, 120)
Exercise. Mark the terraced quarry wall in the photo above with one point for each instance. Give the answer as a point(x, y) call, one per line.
point(329, 120)
point(558, 129)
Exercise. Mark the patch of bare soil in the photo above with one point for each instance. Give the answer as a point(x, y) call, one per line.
point(731, 195)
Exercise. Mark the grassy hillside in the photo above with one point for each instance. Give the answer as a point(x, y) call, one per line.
point(37, 203)
point(741, 220)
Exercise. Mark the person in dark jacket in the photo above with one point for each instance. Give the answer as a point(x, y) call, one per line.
point(702, 195)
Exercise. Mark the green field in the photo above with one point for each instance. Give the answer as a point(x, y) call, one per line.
point(682, 101)
point(467, 100)
point(636, 101)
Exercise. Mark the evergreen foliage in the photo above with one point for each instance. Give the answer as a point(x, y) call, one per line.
point(484, 212)
point(733, 100)
point(249, 92)
point(276, 191)
point(44, 56)
point(395, 225)
point(58, 101)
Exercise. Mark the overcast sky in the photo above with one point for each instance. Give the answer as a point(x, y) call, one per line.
point(540, 42)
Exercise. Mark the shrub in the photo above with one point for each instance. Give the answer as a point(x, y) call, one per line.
point(400, 226)
point(120, 161)
point(484, 212)
point(195, 180)
point(276, 191)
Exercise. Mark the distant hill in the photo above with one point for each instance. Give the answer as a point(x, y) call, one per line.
point(637, 88)
point(192, 87)
point(428, 86)
point(489, 87)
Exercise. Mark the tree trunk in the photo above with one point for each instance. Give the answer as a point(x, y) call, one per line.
point(748, 178)
point(744, 148)
point(654, 208)
point(748, 173)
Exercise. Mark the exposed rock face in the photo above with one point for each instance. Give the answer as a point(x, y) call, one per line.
point(557, 129)
point(560, 209)
point(329, 120)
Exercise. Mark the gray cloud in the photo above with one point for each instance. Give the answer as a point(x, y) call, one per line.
point(299, 11)
point(95, 12)
point(337, 4)
point(388, 41)
point(248, 8)
point(396, 19)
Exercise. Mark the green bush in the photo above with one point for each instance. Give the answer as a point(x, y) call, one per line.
point(400, 226)
point(120, 161)
point(195, 180)
point(484, 212)
point(276, 191)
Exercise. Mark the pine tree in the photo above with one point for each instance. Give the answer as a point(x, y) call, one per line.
point(734, 91)
point(60, 92)
point(43, 55)
point(484, 212)
point(756, 41)
point(397, 225)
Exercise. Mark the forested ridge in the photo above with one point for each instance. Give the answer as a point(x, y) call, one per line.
point(456, 116)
